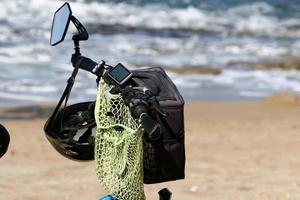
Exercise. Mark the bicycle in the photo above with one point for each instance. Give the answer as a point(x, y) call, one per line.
point(71, 130)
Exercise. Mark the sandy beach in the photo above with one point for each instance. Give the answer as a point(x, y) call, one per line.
point(235, 62)
point(234, 150)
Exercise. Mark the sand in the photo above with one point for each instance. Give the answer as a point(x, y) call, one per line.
point(234, 150)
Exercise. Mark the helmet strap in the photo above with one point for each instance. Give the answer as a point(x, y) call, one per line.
point(66, 94)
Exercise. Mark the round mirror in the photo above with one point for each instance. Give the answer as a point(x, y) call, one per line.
point(4, 140)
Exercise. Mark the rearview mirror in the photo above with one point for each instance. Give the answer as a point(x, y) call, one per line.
point(60, 24)
point(4, 140)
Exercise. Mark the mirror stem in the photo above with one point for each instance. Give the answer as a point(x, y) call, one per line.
point(76, 47)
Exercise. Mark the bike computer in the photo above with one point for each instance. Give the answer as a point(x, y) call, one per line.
point(119, 74)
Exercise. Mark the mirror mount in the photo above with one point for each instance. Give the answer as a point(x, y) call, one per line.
point(82, 34)
point(60, 25)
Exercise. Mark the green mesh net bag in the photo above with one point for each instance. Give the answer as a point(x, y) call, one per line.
point(118, 147)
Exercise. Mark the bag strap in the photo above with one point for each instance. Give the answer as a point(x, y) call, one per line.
point(66, 94)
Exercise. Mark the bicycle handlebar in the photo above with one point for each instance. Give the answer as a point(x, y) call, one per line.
point(151, 127)
point(86, 63)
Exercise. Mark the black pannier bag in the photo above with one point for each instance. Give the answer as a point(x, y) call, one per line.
point(164, 160)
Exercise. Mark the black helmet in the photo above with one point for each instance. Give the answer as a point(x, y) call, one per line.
point(4, 140)
point(71, 131)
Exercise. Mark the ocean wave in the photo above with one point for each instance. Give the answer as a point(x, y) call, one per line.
point(263, 82)
point(24, 97)
point(25, 32)
point(150, 35)
point(256, 18)
point(237, 84)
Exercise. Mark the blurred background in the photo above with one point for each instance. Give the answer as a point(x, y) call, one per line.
point(213, 50)
point(236, 51)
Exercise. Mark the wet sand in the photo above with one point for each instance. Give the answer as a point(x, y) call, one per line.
point(234, 150)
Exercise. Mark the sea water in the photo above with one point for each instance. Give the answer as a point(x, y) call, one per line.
point(225, 35)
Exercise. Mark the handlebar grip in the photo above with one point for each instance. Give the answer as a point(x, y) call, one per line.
point(151, 127)
point(86, 64)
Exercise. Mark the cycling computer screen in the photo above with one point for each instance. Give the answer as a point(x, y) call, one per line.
point(120, 74)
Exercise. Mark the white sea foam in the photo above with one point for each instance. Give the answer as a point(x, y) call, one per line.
point(34, 71)
point(25, 27)
point(256, 83)
point(24, 97)
point(254, 18)
point(253, 94)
